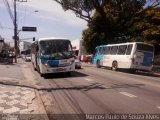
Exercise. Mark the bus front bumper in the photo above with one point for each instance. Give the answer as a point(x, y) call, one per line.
point(46, 70)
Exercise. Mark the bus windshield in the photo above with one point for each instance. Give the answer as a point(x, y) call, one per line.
point(56, 49)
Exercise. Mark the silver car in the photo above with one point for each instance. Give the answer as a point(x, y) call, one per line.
point(27, 58)
point(77, 63)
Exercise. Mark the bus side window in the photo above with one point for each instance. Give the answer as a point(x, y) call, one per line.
point(129, 49)
point(96, 51)
point(114, 50)
point(122, 49)
point(101, 50)
point(107, 51)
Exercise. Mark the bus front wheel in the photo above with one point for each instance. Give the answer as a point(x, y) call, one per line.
point(114, 66)
point(98, 64)
point(39, 71)
point(34, 66)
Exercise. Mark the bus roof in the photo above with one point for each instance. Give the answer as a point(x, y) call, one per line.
point(122, 44)
point(128, 43)
point(52, 38)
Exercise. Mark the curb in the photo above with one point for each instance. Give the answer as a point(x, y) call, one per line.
point(42, 105)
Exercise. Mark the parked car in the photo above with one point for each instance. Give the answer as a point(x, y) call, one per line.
point(27, 58)
point(77, 63)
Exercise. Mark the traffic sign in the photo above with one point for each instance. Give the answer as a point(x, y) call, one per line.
point(31, 29)
point(1, 40)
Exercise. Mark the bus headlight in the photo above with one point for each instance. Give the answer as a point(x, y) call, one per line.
point(46, 65)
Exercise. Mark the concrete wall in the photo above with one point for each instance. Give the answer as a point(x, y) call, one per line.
point(24, 45)
point(77, 45)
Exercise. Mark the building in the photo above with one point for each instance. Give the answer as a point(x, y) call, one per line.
point(79, 49)
point(23, 45)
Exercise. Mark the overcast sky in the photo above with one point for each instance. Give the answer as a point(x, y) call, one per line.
point(50, 20)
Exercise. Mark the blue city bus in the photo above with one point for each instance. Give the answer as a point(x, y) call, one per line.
point(132, 56)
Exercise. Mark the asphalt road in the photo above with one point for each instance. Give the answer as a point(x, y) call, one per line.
point(93, 90)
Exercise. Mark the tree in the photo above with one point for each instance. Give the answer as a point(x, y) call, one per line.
point(7, 47)
point(111, 21)
point(83, 9)
point(146, 28)
point(112, 26)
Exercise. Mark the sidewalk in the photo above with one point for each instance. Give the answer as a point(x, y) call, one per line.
point(15, 97)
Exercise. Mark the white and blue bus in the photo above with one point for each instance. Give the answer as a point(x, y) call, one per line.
point(132, 56)
point(52, 55)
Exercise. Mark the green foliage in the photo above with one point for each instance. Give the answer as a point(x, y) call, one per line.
point(7, 47)
point(110, 25)
point(91, 40)
point(147, 26)
point(122, 26)
point(116, 21)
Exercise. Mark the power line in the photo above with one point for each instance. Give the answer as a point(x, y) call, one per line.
point(21, 13)
point(1, 26)
point(9, 9)
point(8, 28)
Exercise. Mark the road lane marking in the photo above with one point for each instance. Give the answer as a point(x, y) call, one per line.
point(128, 94)
point(88, 79)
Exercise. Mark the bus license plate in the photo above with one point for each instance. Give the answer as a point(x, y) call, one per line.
point(60, 69)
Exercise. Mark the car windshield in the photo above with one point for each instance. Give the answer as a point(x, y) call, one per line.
point(57, 49)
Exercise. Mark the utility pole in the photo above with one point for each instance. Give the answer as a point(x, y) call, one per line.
point(15, 29)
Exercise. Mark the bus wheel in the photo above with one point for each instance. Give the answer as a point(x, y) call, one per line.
point(38, 69)
point(34, 67)
point(41, 74)
point(98, 64)
point(114, 66)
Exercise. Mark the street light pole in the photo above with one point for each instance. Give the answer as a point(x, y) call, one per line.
point(15, 30)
